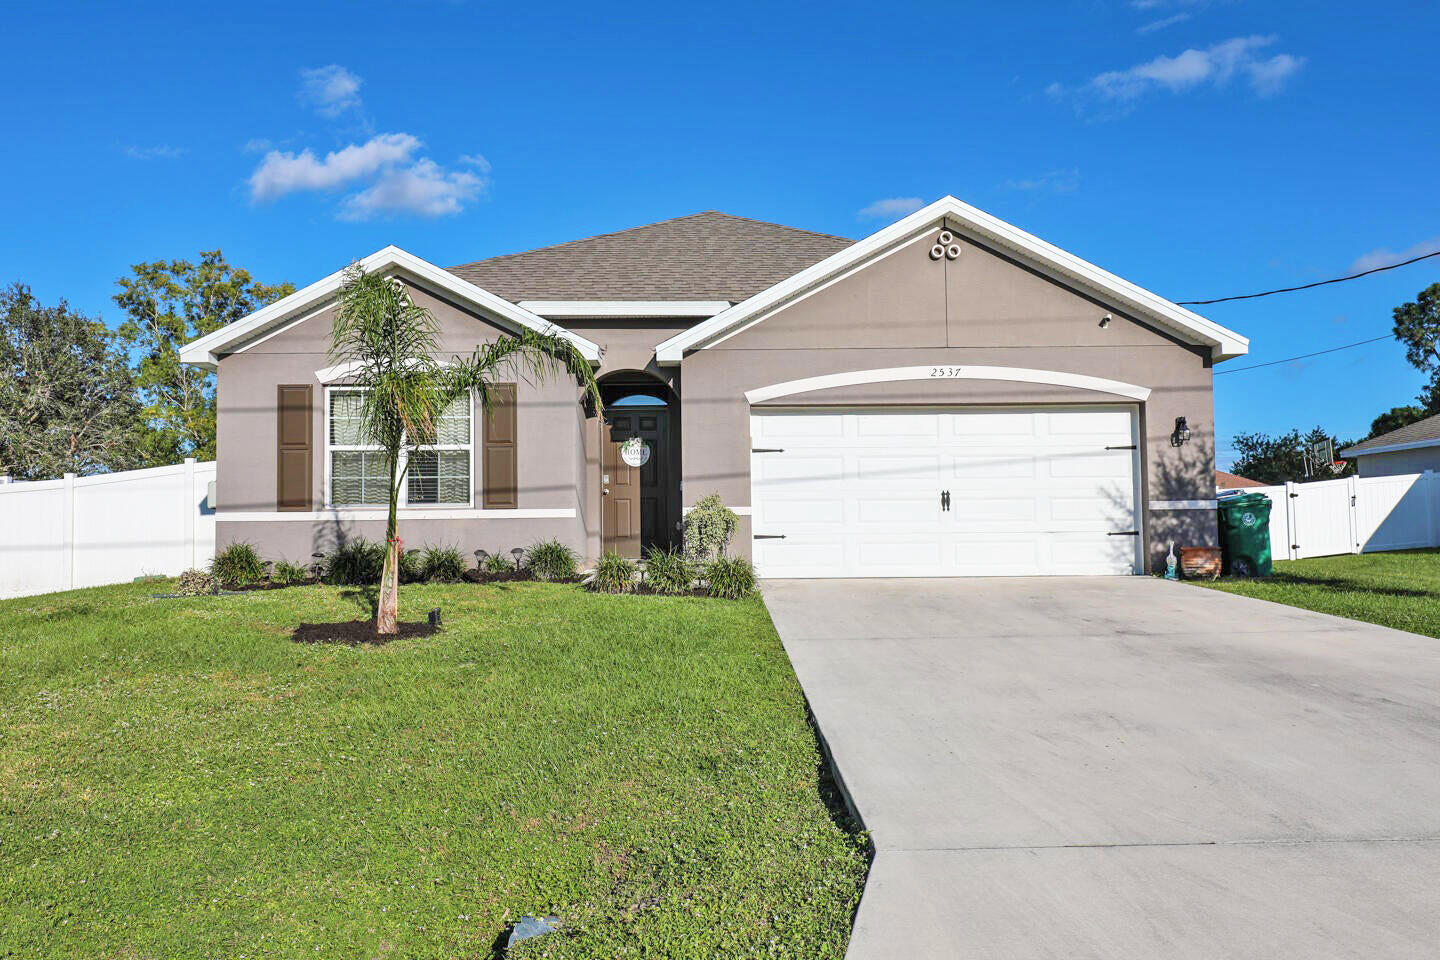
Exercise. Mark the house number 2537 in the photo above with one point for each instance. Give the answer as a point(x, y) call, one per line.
point(947, 371)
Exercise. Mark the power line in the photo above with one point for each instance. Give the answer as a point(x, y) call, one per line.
point(1307, 286)
point(1303, 356)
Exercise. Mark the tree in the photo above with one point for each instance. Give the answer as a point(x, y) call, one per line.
point(388, 344)
point(1274, 460)
point(66, 400)
point(1417, 326)
point(168, 305)
point(1394, 419)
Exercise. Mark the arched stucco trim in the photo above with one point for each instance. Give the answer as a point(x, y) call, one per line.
point(947, 372)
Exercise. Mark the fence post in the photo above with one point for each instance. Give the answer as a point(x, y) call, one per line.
point(187, 515)
point(1432, 510)
point(1291, 532)
point(1353, 485)
point(67, 531)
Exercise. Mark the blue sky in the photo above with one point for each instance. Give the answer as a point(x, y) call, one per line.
point(1197, 148)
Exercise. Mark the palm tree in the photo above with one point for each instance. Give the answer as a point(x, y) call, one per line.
point(387, 345)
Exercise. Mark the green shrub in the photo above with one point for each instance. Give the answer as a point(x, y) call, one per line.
point(497, 564)
point(551, 560)
point(444, 564)
point(708, 528)
point(238, 565)
point(412, 566)
point(668, 571)
point(730, 577)
point(614, 574)
point(288, 573)
point(355, 563)
point(196, 583)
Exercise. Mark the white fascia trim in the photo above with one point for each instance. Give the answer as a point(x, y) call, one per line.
point(237, 337)
point(603, 309)
point(946, 372)
point(1183, 504)
point(405, 513)
point(1066, 267)
point(1392, 448)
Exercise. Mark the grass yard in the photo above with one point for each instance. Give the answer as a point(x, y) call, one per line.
point(180, 779)
point(1400, 589)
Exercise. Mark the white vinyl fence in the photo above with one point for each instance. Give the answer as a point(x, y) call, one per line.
point(1353, 515)
point(111, 528)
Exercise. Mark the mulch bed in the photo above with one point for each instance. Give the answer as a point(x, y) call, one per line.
point(272, 585)
point(356, 633)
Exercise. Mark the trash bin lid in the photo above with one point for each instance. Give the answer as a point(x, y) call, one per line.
point(1243, 501)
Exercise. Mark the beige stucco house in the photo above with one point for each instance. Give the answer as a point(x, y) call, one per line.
point(1414, 448)
point(948, 396)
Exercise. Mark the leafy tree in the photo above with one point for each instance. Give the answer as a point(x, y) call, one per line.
point(169, 304)
point(1417, 326)
point(389, 343)
point(66, 400)
point(1274, 460)
point(1394, 419)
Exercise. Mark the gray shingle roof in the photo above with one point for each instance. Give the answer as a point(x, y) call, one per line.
point(1417, 432)
point(703, 256)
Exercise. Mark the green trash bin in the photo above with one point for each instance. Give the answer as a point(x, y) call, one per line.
point(1245, 535)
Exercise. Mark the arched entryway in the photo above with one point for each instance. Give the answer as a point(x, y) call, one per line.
point(639, 464)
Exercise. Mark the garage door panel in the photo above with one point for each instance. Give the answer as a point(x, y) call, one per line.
point(1032, 491)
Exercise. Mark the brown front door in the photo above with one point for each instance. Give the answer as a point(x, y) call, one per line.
point(635, 501)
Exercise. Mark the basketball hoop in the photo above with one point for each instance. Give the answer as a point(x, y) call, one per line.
point(1338, 467)
point(1319, 456)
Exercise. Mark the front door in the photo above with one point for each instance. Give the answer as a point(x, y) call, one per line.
point(635, 505)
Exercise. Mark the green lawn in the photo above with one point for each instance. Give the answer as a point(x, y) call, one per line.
point(179, 779)
point(1400, 589)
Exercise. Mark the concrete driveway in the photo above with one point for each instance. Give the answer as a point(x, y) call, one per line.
point(1125, 768)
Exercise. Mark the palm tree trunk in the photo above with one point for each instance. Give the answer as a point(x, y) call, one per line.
point(387, 605)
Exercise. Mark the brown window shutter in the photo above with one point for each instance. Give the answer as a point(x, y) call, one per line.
point(294, 414)
point(501, 487)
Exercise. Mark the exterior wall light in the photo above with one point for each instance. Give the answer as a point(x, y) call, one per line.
point(1181, 434)
point(1105, 321)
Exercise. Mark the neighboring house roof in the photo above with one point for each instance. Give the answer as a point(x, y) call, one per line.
point(703, 256)
point(970, 222)
point(1421, 433)
point(1231, 481)
point(235, 337)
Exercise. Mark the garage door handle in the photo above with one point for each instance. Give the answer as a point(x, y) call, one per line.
point(1128, 446)
point(769, 536)
point(1123, 533)
point(767, 449)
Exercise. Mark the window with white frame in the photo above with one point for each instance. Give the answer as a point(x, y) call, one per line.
point(438, 474)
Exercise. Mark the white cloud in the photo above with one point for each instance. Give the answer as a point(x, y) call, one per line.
point(424, 189)
point(285, 172)
point(1380, 257)
point(1216, 65)
point(477, 161)
point(893, 207)
point(1058, 181)
point(329, 90)
point(258, 145)
point(158, 152)
point(1162, 23)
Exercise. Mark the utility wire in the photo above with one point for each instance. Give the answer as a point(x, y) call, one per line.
point(1257, 366)
point(1307, 286)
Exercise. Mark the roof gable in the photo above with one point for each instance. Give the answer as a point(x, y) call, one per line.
point(950, 213)
point(703, 256)
point(234, 338)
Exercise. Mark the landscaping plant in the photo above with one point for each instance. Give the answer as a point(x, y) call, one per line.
point(288, 573)
point(412, 566)
point(730, 578)
point(614, 574)
point(444, 564)
point(669, 571)
point(551, 560)
point(708, 528)
point(196, 583)
point(497, 565)
point(238, 565)
point(391, 343)
point(355, 563)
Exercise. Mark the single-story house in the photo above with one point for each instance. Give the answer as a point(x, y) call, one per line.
point(947, 396)
point(1411, 449)
point(1232, 481)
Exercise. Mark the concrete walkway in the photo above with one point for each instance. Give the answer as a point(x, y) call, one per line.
point(1125, 768)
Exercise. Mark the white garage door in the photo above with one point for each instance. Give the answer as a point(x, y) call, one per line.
point(935, 493)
